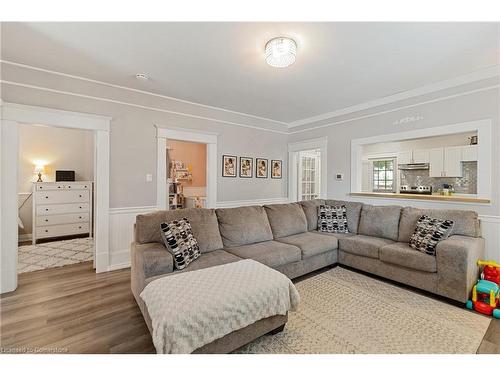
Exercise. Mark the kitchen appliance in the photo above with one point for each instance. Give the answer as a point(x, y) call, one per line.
point(421, 189)
point(413, 166)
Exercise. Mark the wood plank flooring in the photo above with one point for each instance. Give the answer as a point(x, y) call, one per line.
point(72, 309)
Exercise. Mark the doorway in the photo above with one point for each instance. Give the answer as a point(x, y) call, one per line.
point(163, 188)
point(308, 171)
point(12, 117)
point(55, 191)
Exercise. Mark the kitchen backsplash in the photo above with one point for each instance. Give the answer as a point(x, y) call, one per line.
point(462, 185)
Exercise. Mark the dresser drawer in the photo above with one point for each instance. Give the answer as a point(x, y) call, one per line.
point(64, 196)
point(57, 209)
point(62, 219)
point(76, 186)
point(62, 230)
point(46, 187)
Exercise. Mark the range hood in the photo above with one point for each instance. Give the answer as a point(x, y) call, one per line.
point(413, 166)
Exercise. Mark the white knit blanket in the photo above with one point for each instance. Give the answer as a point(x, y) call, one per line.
point(192, 309)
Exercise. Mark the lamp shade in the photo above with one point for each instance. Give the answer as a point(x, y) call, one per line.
point(39, 168)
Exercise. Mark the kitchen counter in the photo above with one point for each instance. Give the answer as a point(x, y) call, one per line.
point(434, 197)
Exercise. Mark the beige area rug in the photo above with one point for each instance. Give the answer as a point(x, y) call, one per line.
point(54, 254)
point(346, 312)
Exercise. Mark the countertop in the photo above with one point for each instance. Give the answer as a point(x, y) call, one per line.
point(434, 197)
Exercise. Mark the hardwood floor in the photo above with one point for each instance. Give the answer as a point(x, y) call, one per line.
point(72, 309)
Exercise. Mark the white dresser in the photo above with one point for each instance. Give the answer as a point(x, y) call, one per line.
point(62, 209)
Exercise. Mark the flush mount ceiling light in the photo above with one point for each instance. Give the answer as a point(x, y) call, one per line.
point(281, 52)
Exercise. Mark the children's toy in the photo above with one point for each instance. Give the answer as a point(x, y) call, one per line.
point(486, 293)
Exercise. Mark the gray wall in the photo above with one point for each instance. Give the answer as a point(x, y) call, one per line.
point(456, 109)
point(133, 135)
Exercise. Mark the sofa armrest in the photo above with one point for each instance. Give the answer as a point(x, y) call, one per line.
point(148, 260)
point(457, 267)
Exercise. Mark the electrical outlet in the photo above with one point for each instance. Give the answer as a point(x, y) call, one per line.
point(149, 177)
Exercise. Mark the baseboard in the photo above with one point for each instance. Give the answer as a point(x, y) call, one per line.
point(252, 202)
point(25, 237)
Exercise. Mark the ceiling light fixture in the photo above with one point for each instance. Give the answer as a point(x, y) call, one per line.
point(143, 76)
point(281, 52)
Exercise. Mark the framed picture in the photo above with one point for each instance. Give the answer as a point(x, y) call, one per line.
point(246, 167)
point(261, 168)
point(229, 165)
point(276, 167)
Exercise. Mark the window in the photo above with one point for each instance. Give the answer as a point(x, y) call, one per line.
point(383, 176)
point(309, 171)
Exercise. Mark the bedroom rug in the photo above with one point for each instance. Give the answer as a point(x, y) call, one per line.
point(54, 254)
point(342, 311)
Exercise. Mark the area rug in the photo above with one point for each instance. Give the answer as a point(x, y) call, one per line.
point(342, 311)
point(54, 254)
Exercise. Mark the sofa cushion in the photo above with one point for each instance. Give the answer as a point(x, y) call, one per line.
point(311, 243)
point(180, 242)
point(353, 212)
point(365, 246)
point(243, 225)
point(270, 253)
point(428, 232)
point(211, 259)
point(311, 211)
point(203, 222)
point(286, 219)
point(332, 219)
point(380, 221)
point(466, 223)
point(402, 254)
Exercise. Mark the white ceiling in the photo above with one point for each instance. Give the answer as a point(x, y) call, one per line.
point(222, 64)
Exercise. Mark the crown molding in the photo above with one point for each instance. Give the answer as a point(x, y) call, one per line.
point(108, 84)
point(490, 72)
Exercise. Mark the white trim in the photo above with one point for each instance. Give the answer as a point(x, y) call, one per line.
point(15, 114)
point(252, 202)
point(140, 106)
point(395, 109)
point(293, 150)
point(210, 139)
point(8, 62)
point(490, 219)
point(479, 75)
point(131, 210)
point(483, 128)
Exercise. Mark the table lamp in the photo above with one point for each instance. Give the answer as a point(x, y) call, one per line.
point(39, 169)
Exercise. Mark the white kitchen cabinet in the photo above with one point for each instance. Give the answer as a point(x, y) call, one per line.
point(436, 162)
point(469, 153)
point(453, 161)
point(420, 156)
point(405, 157)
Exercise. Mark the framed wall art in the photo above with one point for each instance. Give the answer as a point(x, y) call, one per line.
point(261, 168)
point(246, 167)
point(276, 168)
point(229, 165)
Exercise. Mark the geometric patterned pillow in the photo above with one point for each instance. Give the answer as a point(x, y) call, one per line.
point(428, 232)
point(332, 219)
point(180, 242)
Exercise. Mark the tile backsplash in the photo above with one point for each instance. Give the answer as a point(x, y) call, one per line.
point(462, 185)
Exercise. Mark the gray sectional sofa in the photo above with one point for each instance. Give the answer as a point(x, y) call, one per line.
point(286, 238)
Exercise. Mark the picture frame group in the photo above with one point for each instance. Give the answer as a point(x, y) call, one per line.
point(245, 168)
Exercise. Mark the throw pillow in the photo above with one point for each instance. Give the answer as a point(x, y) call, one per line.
point(428, 232)
point(179, 240)
point(332, 219)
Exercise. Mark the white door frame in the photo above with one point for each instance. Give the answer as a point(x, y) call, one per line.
point(210, 139)
point(293, 152)
point(11, 116)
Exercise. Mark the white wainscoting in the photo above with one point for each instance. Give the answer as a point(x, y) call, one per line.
point(121, 234)
point(490, 227)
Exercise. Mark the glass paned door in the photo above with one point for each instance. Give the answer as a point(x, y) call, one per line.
point(309, 164)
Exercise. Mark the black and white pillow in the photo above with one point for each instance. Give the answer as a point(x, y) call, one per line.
point(428, 232)
point(179, 240)
point(332, 219)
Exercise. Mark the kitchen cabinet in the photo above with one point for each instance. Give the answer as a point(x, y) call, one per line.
point(445, 162)
point(469, 153)
point(436, 162)
point(405, 157)
point(420, 156)
point(453, 161)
